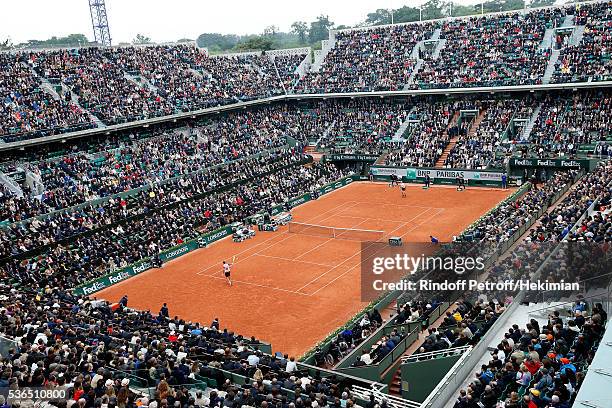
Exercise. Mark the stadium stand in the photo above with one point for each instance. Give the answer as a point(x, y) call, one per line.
point(588, 60)
point(566, 124)
point(29, 111)
point(490, 51)
point(75, 210)
point(373, 59)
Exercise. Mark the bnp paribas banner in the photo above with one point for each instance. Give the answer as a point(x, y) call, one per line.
point(413, 173)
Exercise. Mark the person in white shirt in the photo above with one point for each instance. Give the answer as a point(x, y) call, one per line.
point(291, 365)
point(227, 269)
point(253, 360)
point(366, 358)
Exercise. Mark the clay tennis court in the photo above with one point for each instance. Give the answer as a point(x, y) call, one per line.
point(292, 289)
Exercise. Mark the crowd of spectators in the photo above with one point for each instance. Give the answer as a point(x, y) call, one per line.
point(101, 354)
point(286, 65)
point(20, 237)
point(364, 126)
point(477, 148)
point(557, 224)
point(244, 77)
point(372, 59)
point(99, 84)
point(539, 365)
point(463, 326)
point(27, 110)
point(501, 223)
point(137, 82)
point(349, 339)
point(130, 83)
point(494, 50)
point(123, 165)
point(590, 59)
point(566, 123)
point(436, 124)
point(173, 72)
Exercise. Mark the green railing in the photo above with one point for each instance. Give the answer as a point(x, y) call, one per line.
point(374, 372)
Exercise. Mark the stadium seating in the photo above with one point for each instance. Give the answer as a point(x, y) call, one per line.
point(170, 355)
point(72, 211)
point(490, 51)
point(27, 111)
point(436, 124)
point(590, 59)
point(374, 59)
point(564, 125)
point(476, 148)
point(123, 84)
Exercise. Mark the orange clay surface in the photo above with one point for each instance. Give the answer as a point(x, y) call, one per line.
point(290, 289)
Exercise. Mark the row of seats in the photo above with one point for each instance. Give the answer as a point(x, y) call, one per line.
point(123, 84)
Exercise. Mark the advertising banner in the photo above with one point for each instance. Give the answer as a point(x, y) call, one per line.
point(352, 157)
point(413, 173)
point(548, 163)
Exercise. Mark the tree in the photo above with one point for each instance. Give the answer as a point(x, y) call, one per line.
point(406, 14)
point(217, 42)
point(72, 40)
point(253, 43)
point(184, 40)
point(300, 28)
point(319, 29)
point(493, 6)
point(461, 10)
point(379, 17)
point(541, 3)
point(141, 39)
point(7, 44)
point(270, 31)
point(434, 9)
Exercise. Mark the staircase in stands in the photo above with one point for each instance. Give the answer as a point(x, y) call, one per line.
point(451, 143)
point(312, 151)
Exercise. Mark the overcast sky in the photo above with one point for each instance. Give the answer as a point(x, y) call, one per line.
point(170, 20)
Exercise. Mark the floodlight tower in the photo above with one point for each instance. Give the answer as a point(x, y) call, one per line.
point(99, 21)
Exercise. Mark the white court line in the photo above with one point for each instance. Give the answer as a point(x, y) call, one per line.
point(258, 285)
point(370, 218)
point(353, 267)
point(274, 235)
point(386, 204)
point(358, 252)
point(293, 260)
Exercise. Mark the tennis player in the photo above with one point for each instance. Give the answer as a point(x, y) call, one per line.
point(403, 189)
point(227, 270)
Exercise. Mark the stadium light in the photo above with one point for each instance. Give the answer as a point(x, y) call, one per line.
point(99, 22)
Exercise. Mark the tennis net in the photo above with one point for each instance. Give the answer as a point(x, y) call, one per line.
point(351, 234)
